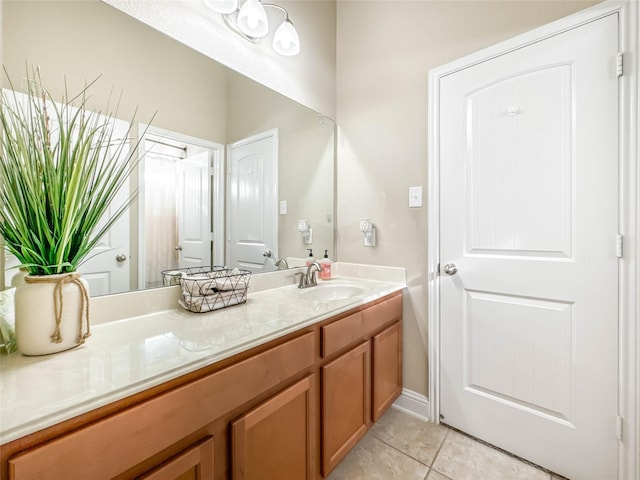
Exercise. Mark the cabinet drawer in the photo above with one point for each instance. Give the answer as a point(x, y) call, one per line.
point(124, 440)
point(360, 325)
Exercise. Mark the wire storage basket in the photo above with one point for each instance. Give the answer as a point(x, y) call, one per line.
point(209, 288)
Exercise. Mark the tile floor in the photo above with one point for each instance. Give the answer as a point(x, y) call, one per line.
point(402, 447)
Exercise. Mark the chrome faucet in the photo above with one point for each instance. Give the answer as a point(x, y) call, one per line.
point(308, 279)
point(283, 262)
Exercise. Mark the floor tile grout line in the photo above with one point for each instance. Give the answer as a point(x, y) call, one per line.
point(400, 451)
point(505, 452)
point(435, 457)
point(430, 465)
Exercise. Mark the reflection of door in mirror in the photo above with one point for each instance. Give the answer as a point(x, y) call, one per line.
point(179, 205)
point(253, 198)
point(194, 212)
point(107, 267)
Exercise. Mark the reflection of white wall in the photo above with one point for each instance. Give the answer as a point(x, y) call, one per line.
point(305, 163)
point(308, 78)
point(155, 74)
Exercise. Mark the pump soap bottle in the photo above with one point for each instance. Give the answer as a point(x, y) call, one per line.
point(310, 258)
point(325, 264)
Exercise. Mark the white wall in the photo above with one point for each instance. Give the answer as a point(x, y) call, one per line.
point(385, 49)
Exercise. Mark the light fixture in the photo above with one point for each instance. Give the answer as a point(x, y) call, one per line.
point(286, 40)
point(222, 6)
point(252, 19)
point(248, 19)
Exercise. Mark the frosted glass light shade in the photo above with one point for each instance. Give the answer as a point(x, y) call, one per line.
point(252, 19)
point(222, 6)
point(286, 40)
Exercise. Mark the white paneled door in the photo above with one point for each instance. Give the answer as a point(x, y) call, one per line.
point(253, 198)
point(529, 272)
point(194, 211)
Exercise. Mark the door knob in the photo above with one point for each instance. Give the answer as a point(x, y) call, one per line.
point(121, 258)
point(450, 269)
point(179, 248)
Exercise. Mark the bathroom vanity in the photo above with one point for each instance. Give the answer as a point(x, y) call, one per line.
point(283, 391)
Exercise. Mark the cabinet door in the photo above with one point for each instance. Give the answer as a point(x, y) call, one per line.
point(346, 404)
point(386, 370)
point(275, 441)
point(195, 463)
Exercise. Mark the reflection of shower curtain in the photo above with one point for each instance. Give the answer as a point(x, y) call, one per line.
point(161, 229)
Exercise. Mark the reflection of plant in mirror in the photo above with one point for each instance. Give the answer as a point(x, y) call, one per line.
point(60, 168)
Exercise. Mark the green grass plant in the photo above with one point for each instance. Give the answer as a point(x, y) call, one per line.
point(61, 167)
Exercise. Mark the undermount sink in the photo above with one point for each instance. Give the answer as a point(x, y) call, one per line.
point(332, 291)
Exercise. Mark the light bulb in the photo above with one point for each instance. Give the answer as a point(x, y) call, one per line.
point(286, 40)
point(252, 19)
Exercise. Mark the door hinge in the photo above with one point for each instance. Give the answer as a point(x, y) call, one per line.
point(619, 245)
point(619, 427)
point(619, 64)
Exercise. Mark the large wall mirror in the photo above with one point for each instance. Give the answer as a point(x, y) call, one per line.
point(231, 167)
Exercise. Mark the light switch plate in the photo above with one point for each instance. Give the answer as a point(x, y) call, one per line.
point(283, 207)
point(415, 197)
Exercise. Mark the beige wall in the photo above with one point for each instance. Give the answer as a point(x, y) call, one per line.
point(305, 163)
point(385, 49)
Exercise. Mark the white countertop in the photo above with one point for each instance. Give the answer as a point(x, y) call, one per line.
point(127, 356)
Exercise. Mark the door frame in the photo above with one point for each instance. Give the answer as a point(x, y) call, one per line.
point(629, 213)
point(217, 193)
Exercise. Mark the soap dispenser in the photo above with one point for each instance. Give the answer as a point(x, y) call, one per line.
point(310, 258)
point(325, 264)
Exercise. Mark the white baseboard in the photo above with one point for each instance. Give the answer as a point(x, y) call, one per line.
point(413, 404)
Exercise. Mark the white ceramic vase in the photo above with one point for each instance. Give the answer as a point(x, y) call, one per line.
point(51, 313)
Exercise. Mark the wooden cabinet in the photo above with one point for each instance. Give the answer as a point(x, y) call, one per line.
point(195, 463)
point(136, 439)
point(290, 409)
point(359, 385)
point(275, 440)
point(345, 404)
point(386, 368)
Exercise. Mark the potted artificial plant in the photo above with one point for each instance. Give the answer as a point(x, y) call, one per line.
point(60, 169)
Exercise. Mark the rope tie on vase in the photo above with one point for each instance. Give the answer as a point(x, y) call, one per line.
point(58, 302)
